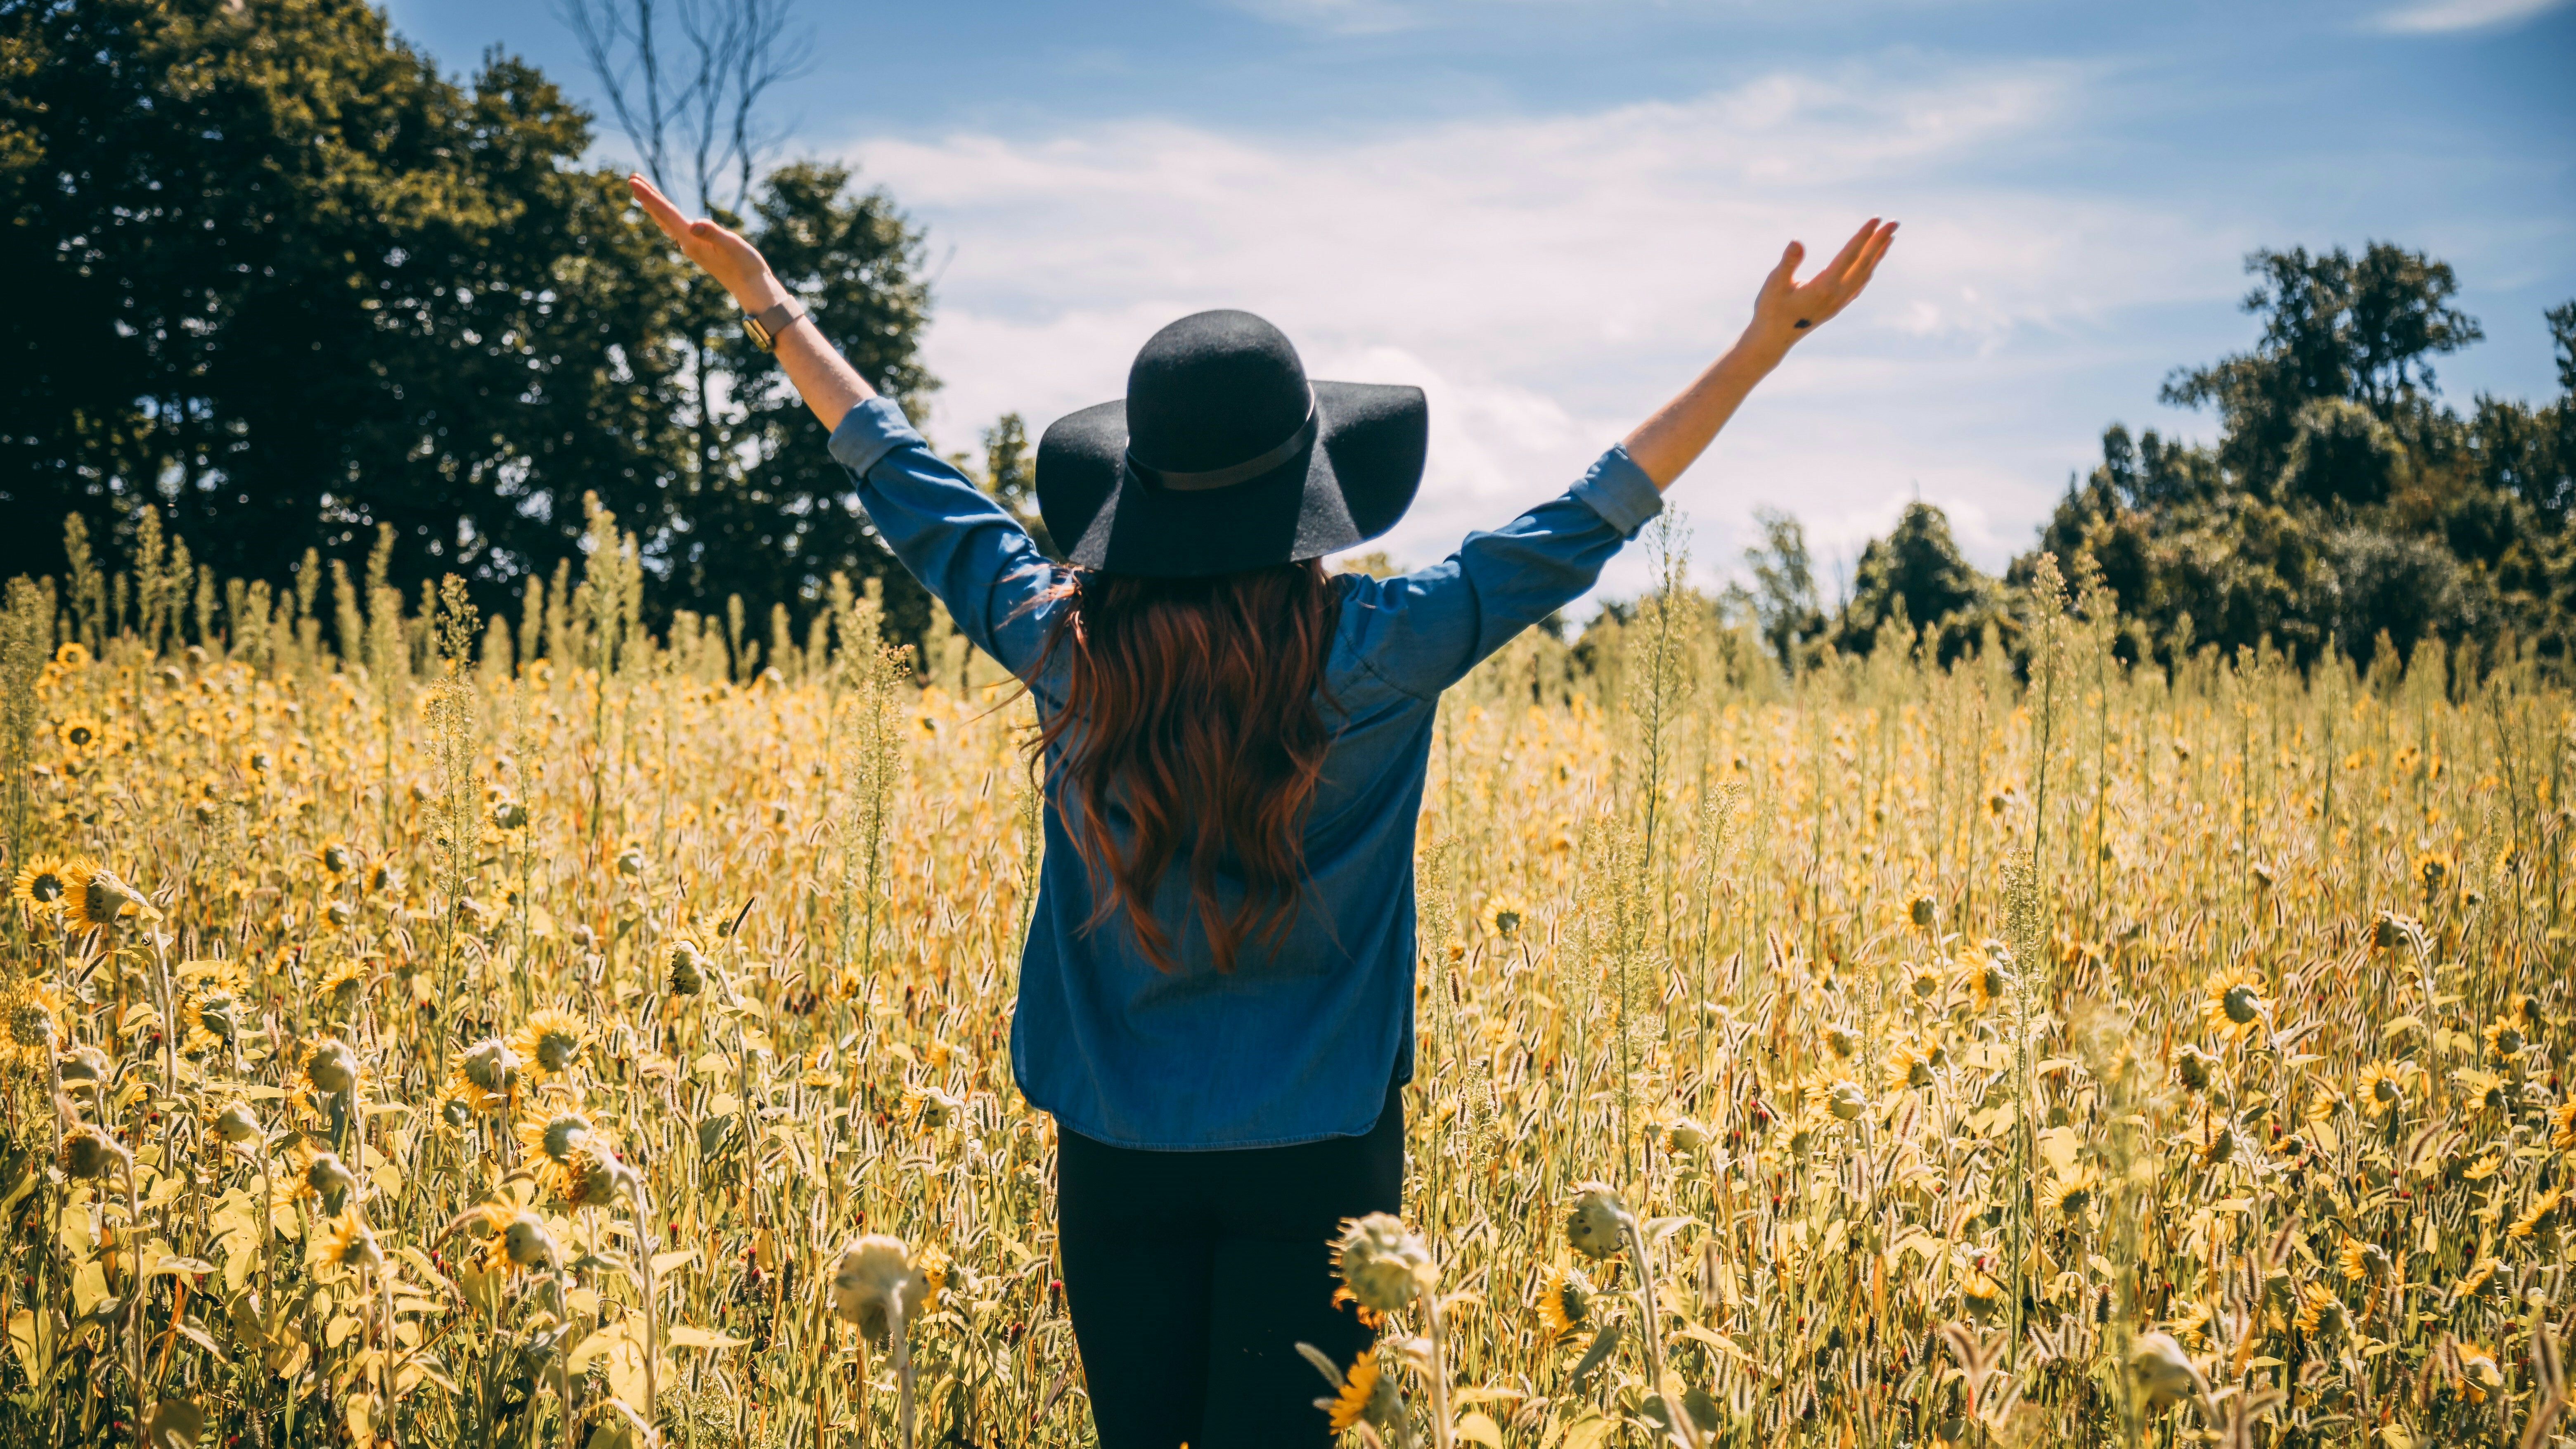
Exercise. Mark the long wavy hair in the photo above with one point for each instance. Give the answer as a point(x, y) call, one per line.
point(1193, 718)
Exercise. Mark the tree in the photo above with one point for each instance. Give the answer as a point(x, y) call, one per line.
point(1915, 575)
point(1784, 586)
point(2333, 329)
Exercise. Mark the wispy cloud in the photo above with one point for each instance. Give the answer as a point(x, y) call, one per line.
point(1549, 279)
point(2437, 17)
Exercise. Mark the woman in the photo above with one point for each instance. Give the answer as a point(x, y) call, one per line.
point(1216, 998)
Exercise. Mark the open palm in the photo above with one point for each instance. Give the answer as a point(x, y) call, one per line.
point(1789, 308)
point(721, 250)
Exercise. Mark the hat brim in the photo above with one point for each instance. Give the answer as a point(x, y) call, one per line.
point(1349, 486)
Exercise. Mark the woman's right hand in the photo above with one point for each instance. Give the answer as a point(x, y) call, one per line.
point(721, 250)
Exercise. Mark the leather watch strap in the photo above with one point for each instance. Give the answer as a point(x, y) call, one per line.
point(764, 325)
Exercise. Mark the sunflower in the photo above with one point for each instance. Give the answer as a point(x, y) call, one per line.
point(2358, 1260)
point(2434, 870)
point(2233, 1003)
point(42, 885)
point(320, 1174)
point(2321, 1313)
point(2505, 1040)
point(71, 655)
point(1841, 1040)
point(337, 859)
point(1986, 980)
point(2383, 1086)
point(2540, 1217)
point(1365, 1397)
point(2072, 1195)
point(929, 1109)
point(330, 1069)
point(552, 1040)
point(2484, 1091)
point(573, 1154)
point(2562, 1127)
point(352, 1244)
point(1506, 916)
point(94, 896)
point(34, 1011)
point(78, 735)
point(2194, 1068)
point(1923, 981)
point(595, 1177)
point(2478, 1282)
point(487, 1076)
point(1564, 1301)
point(340, 986)
point(1980, 1295)
point(1908, 1066)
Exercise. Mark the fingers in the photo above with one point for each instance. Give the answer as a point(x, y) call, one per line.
point(1851, 251)
point(1784, 277)
point(1868, 266)
point(659, 207)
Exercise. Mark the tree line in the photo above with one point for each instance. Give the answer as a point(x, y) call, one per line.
point(2346, 504)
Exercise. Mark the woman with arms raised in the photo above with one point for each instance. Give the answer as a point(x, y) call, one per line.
point(1216, 998)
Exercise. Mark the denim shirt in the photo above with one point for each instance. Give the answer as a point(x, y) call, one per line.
point(1298, 1044)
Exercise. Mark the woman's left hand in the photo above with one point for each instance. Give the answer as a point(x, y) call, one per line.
point(719, 249)
point(1786, 310)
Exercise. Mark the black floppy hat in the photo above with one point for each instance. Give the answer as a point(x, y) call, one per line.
point(1223, 456)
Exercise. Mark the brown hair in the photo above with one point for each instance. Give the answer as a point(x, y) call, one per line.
point(1193, 717)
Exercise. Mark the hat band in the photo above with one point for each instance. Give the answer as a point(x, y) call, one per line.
point(1227, 477)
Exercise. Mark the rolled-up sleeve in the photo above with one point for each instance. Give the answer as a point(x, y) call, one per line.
point(1422, 632)
point(964, 547)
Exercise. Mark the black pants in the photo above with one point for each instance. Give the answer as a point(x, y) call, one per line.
point(1192, 1277)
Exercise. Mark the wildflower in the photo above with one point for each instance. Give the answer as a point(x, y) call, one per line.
point(2484, 1091)
point(2478, 1282)
point(687, 972)
point(1594, 1225)
point(336, 858)
point(2358, 1260)
point(95, 896)
point(876, 1283)
point(1923, 981)
point(2541, 1217)
point(2389, 931)
point(2562, 1126)
point(88, 1153)
point(2383, 1086)
point(1365, 1397)
point(1980, 1295)
point(1987, 981)
point(1920, 911)
point(2162, 1371)
point(1505, 916)
point(594, 1176)
point(34, 1023)
point(2072, 1195)
point(77, 734)
point(321, 1174)
point(2321, 1313)
point(71, 655)
point(487, 1075)
point(340, 986)
point(525, 1243)
point(509, 814)
point(1383, 1265)
point(553, 1039)
point(42, 884)
point(1684, 1135)
point(1844, 1099)
point(2504, 1040)
point(351, 1243)
point(331, 1069)
point(630, 859)
point(2433, 871)
point(930, 1108)
point(235, 1122)
point(2234, 1002)
point(1908, 1066)
point(1564, 1301)
point(1841, 1040)
point(212, 1011)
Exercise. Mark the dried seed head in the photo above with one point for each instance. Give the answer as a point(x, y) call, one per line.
point(1847, 1101)
point(490, 1066)
point(237, 1123)
point(332, 1068)
point(526, 1243)
point(326, 1175)
point(1383, 1264)
point(88, 1154)
point(875, 1282)
point(1685, 1135)
point(1592, 1224)
point(1920, 911)
point(688, 969)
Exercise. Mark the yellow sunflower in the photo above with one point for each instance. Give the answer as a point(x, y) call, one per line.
point(35, 1012)
point(42, 885)
point(551, 1041)
point(1908, 1066)
point(94, 896)
point(1564, 1301)
point(2358, 1260)
point(321, 1175)
point(1506, 916)
point(2321, 1313)
point(2384, 1086)
point(71, 655)
point(1986, 980)
point(2562, 1127)
point(336, 858)
point(2541, 1217)
point(213, 1011)
point(571, 1154)
point(2234, 1004)
point(2505, 1040)
point(487, 1076)
point(2434, 870)
point(351, 1243)
point(2072, 1195)
point(2484, 1091)
point(1357, 1401)
point(78, 735)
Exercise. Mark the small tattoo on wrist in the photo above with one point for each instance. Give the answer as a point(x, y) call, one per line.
point(1802, 324)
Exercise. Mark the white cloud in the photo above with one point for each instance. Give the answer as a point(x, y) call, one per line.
point(2436, 17)
point(1548, 280)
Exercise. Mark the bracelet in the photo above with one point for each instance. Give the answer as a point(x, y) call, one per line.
point(763, 326)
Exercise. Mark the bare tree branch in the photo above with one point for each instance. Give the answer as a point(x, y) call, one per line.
point(706, 107)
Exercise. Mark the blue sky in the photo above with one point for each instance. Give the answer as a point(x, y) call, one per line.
point(1549, 214)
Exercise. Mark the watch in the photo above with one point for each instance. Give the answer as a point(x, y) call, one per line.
point(764, 325)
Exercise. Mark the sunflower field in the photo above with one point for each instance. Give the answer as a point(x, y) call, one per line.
point(424, 1028)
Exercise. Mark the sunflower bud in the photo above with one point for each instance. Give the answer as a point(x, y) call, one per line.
point(874, 1283)
point(237, 1123)
point(1593, 1224)
point(89, 1154)
point(332, 1067)
point(1383, 1264)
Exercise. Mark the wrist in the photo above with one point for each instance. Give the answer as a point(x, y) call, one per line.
point(760, 292)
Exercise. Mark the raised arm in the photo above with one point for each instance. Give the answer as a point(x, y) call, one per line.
point(1784, 312)
point(827, 382)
